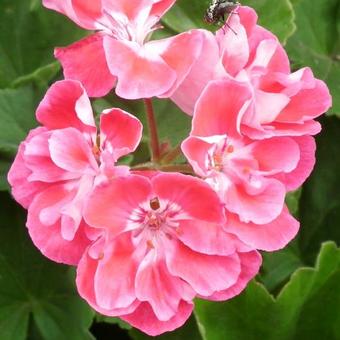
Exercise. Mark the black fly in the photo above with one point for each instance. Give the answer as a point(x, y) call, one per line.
point(219, 10)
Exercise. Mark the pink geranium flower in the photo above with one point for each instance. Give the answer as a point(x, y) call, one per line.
point(163, 246)
point(57, 165)
point(284, 103)
point(251, 177)
point(120, 50)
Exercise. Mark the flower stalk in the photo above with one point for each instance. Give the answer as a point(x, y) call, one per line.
point(153, 132)
point(182, 168)
point(172, 155)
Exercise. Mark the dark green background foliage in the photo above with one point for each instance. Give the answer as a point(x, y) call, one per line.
point(297, 293)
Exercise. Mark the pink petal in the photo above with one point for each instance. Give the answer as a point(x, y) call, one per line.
point(71, 152)
point(86, 272)
point(234, 48)
point(112, 203)
point(67, 208)
point(192, 195)
point(145, 319)
point(120, 132)
point(268, 106)
point(24, 190)
point(205, 273)
point(302, 171)
point(45, 228)
point(38, 160)
point(274, 155)
point(179, 53)
point(162, 291)
point(262, 206)
point(278, 60)
point(108, 168)
point(72, 212)
point(291, 129)
point(196, 149)
point(211, 116)
point(134, 11)
point(248, 18)
point(202, 71)
point(275, 129)
point(66, 105)
point(307, 104)
point(289, 84)
point(206, 238)
point(266, 51)
point(250, 266)
point(83, 13)
point(85, 61)
point(141, 72)
point(160, 7)
point(114, 280)
point(270, 237)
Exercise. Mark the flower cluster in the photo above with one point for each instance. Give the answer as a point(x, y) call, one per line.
point(147, 242)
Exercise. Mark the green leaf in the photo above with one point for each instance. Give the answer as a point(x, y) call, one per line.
point(293, 202)
point(33, 289)
point(320, 199)
point(244, 317)
point(307, 291)
point(39, 77)
point(185, 15)
point(28, 35)
point(17, 109)
point(278, 266)
point(294, 314)
point(174, 125)
point(5, 163)
point(278, 17)
point(188, 331)
point(316, 43)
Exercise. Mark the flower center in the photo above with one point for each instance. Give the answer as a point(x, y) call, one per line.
point(154, 204)
point(220, 154)
point(120, 28)
point(96, 149)
point(155, 220)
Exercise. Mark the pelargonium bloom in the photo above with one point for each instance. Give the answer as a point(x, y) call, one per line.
point(120, 51)
point(163, 246)
point(284, 103)
point(251, 177)
point(57, 165)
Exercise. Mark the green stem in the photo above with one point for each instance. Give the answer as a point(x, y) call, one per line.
point(153, 132)
point(183, 168)
point(172, 155)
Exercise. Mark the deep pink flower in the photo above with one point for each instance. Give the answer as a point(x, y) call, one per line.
point(120, 50)
point(284, 103)
point(57, 165)
point(251, 177)
point(164, 245)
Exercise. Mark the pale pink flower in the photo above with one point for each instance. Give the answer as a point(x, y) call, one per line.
point(216, 114)
point(120, 50)
point(284, 103)
point(57, 165)
point(251, 177)
point(164, 245)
